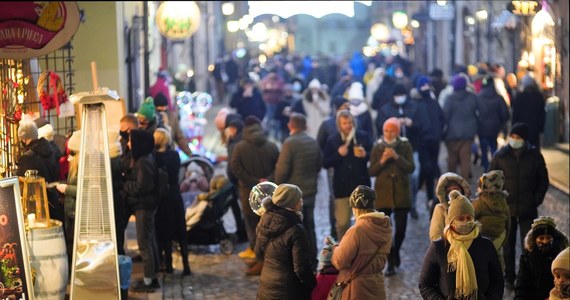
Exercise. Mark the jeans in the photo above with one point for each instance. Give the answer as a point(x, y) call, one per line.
point(415, 178)
point(146, 241)
point(487, 143)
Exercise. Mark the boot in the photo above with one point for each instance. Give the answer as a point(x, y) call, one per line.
point(391, 270)
point(185, 262)
point(255, 270)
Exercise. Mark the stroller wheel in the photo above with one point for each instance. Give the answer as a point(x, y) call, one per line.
point(226, 246)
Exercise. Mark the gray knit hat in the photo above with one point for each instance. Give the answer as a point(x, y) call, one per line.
point(287, 195)
point(362, 197)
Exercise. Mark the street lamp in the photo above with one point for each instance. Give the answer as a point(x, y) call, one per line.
point(233, 26)
point(380, 32)
point(227, 8)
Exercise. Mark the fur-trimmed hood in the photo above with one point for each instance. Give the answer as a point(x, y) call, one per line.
point(560, 241)
point(445, 180)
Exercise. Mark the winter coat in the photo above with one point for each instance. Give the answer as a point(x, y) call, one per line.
point(392, 185)
point(434, 120)
point(169, 220)
point(248, 106)
point(231, 145)
point(460, 111)
point(139, 188)
point(493, 113)
point(384, 93)
point(534, 277)
point(349, 170)
point(316, 110)
point(436, 283)
point(529, 107)
point(299, 163)
point(370, 232)
point(492, 211)
point(253, 157)
point(410, 110)
point(38, 155)
point(284, 244)
point(526, 179)
point(437, 223)
point(363, 119)
point(326, 130)
point(272, 88)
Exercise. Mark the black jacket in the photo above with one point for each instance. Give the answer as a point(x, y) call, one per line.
point(436, 283)
point(526, 179)
point(493, 113)
point(284, 244)
point(140, 181)
point(529, 107)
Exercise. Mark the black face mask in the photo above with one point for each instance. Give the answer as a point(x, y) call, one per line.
point(23, 144)
point(545, 247)
point(124, 135)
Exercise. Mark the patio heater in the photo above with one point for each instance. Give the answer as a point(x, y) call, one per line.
point(95, 271)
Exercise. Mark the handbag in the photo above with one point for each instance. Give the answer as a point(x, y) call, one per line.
point(337, 288)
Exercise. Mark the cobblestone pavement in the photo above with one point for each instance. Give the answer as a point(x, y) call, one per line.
point(219, 276)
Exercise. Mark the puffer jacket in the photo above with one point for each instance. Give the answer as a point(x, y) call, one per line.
point(492, 211)
point(284, 244)
point(534, 277)
point(526, 179)
point(370, 232)
point(392, 185)
point(440, 211)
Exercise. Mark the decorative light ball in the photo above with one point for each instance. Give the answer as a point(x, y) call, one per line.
point(380, 32)
point(178, 20)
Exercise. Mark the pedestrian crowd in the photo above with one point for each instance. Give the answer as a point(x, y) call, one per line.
point(371, 132)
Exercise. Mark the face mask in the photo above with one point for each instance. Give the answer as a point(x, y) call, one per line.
point(297, 87)
point(124, 135)
point(463, 228)
point(564, 289)
point(355, 102)
point(399, 75)
point(400, 99)
point(516, 143)
point(315, 95)
point(544, 247)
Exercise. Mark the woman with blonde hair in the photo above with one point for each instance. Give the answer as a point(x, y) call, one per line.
point(170, 222)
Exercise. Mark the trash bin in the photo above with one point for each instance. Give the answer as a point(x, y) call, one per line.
point(551, 130)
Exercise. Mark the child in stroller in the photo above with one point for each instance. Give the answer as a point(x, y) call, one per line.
point(204, 217)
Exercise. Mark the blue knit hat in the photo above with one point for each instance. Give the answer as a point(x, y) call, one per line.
point(422, 80)
point(459, 82)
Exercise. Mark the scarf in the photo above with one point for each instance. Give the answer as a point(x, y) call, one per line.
point(347, 138)
point(555, 295)
point(459, 260)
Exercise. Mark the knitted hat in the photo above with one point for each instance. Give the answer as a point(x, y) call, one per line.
point(362, 197)
point(74, 142)
point(27, 130)
point(492, 181)
point(315, 84)
point(542, 226)
point(458, 205)
point(287, 195)
point(46, 132)
point(423, 80)
point(160, 100)
point(339, 101)
point(520, 129)
point(250, 120)
point(393, 123)
point(562, 260)
point(147, 109)
point(399, 89)
point(326, 254)
point(355, 92)
point(459, 82)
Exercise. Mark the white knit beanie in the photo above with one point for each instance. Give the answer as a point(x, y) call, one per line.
point(74, 142)
point(46, 132)
point(355, 92)
point(562, 261)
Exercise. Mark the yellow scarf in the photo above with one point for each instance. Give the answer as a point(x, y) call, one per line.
point(459, 260)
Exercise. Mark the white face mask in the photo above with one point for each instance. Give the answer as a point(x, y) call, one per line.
point(297, 87)
point(516, 143)
point(400, 99)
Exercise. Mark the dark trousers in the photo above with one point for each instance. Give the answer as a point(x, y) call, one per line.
point(146, 241)
point(236, 211)
point(487, 144)
point(309, 224)
point(509, 249)
point(249, 217)
point(400, 223)
point(429, 153)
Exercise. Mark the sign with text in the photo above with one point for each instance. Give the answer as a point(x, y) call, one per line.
point(15, 274)
point(32, 29)
point(524, 7)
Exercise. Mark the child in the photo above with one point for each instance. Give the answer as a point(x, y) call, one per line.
point(561, 272)
point(326, 272)
point(492, 210)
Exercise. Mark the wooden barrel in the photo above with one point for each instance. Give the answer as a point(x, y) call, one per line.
point(48, 260)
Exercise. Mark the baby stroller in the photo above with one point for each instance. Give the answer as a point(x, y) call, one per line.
point(204, 225)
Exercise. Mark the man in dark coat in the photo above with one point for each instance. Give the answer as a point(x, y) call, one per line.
point(528, 107)
point(347, 152)
point(526, 180)
point(38, 155)
point(253, 161)
point(248, 101)
point(299, 163)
